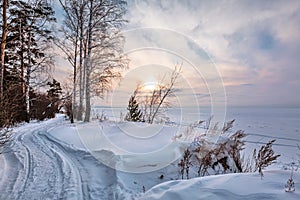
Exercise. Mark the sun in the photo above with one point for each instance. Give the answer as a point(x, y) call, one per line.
point(149, 86)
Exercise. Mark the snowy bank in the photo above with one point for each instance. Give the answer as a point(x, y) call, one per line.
point(248, 186)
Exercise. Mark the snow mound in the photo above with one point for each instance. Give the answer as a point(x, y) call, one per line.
point(230, 186)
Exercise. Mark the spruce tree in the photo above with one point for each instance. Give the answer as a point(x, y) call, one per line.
point(29, 40)
point(54, 96)
point(134, 113)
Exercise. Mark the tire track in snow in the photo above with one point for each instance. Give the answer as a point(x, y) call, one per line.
point(37, 165)
point(95, 183)
point(43, 167)
point(34, 169)
point(28, 159)
point(69, 169)
point(20, 159)
point(48, 172)
point(66, 175)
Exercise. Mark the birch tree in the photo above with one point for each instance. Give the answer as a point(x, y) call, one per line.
point(105, 19)
point(73, 45)
point(93, 27)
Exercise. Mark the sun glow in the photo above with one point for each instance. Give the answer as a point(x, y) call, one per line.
point(150, 86)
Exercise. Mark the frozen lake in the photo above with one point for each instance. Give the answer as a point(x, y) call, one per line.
point(262, 124)
point(256, 120)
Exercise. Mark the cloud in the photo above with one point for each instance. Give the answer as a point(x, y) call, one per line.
point(255, 44)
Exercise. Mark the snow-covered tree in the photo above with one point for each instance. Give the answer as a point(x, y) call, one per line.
point(28, 42)
point(103, 40)
point(134, 113)
point(92, 29)
point(72, 44)
point(25, 57)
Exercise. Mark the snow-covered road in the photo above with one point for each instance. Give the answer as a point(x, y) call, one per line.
point(52, 160)
point(39, 166)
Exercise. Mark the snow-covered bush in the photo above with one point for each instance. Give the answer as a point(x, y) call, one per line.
point(265, 157)
point(185, 164)
point(290, 184)
point(219, 154)
point(221, 157)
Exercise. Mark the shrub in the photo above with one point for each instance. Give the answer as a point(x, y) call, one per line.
point(290, 184)
point(222, 157)
point(236, 145)
point(265, 157)
point(185, 163)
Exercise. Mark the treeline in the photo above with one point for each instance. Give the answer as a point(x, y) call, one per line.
point(26, 61)
point(90, 39)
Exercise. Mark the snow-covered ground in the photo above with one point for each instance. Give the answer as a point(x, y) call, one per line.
point(247, 186)
point(120, 160)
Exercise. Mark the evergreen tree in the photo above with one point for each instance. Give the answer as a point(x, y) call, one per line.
point(55, 89)
point(54, 95)
point(26, 39)
point(28, 44)
point(134, 113)
point(39, 106)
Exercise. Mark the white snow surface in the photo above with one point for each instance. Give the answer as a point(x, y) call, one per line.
point(246, 186)
point(56, 160)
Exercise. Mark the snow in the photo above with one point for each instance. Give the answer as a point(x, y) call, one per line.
point(54, 159)
point(229, 186)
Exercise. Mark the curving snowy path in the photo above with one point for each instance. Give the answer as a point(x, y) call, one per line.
point(39, 166)
point(47, 160)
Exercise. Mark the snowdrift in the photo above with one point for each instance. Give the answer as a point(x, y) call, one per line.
point(247, 186)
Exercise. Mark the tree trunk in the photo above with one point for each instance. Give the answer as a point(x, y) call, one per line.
point(73, 112)
point(22, 58)
point(88, 66)
point(80, 109)
point(28, 74)
point(81, 82)
point(3, 44)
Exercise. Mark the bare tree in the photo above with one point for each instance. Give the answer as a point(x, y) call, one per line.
point(93, 28)
point(154, 101)
point(107, 62)
point(88, 64)
point(73, 31)
point(82, 54)
point(105, 18)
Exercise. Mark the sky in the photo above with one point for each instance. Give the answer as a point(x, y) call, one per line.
point(239, 53)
